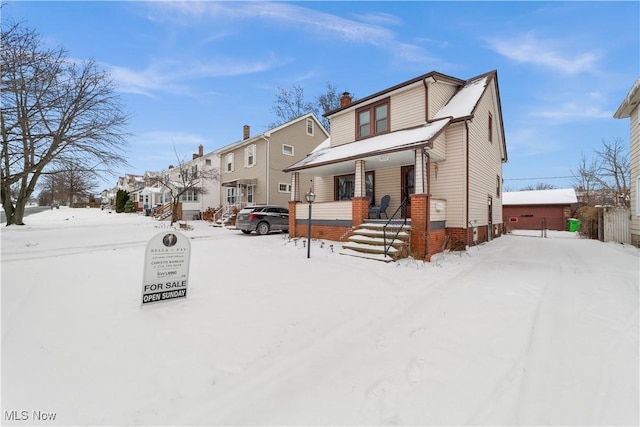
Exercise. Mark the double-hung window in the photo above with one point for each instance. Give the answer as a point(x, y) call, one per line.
point(250, 156)
point(310, 127)
point(373, 119)
point(228, 159)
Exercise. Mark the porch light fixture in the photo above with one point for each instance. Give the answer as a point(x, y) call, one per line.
point(383, 158)
point(310, 197)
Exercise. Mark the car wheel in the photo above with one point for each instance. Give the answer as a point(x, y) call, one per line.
point(262, 228)
point(246, 231)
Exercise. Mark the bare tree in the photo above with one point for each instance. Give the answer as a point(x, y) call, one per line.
point(615, 170)
point(291, 104)
point(187, 177)
point(605, 179)
point(586, 178)
point(74, 182)
point(53, 111)
point(538, 186)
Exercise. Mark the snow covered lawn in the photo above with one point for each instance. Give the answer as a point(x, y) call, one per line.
point(521, 330)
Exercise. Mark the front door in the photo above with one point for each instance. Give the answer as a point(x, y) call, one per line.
point(408, 188)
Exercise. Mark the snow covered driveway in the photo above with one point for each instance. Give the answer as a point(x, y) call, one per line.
point(522, 330)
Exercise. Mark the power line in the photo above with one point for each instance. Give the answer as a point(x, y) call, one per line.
point(540, 178)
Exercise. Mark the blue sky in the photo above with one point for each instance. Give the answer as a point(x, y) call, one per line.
point(194, 73)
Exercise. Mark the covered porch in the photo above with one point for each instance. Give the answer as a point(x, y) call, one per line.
point(239, 192)
point(348, 180)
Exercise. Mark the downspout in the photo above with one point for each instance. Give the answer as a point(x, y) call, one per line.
point(466, 226)
point(268, 165)
point(426, 81)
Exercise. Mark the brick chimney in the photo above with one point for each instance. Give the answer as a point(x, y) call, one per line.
point(200, 152)
point(345, 99)
point(246, 130)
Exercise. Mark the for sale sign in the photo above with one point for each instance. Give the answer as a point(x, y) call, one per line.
point(166, 268)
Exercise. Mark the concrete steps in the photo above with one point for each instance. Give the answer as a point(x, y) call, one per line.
point(368, 241)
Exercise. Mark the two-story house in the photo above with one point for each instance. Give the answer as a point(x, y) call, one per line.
point(251, 170)
point(435, 144)
point(156, 192)
point(630, 108)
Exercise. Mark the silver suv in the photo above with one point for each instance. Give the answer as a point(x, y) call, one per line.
point(263, 219)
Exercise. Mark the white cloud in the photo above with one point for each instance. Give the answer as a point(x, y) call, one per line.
point(369, 30)
point(528, 48)
point(571, 111)
point(172, 76)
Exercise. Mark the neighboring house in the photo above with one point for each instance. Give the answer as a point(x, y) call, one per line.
point(630, 109)
point(130, 182)
point(192, 202)
point(539, 209)
point(251, 171)
point(435, 144)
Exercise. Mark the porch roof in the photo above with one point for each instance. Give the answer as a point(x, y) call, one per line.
point(387, 145)
point(236, 182)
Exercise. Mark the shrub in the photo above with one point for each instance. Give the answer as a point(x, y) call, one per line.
point(129, 207)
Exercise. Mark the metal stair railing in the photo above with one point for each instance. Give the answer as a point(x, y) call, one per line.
point(399, 213)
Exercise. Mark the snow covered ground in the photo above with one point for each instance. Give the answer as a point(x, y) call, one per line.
point(519, 331)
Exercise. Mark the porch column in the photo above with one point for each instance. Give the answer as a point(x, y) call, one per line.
point(419, 219)
point(421, 176)
point(293, 204)
point(361, 189)
point(360, 201)
point(295, 186)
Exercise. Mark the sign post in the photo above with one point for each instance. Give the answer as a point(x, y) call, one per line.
point(166, 268)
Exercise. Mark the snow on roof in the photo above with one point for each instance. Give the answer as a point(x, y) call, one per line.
point(388, 142)
point(630, 101)
point(561, 196)
point(465, 100)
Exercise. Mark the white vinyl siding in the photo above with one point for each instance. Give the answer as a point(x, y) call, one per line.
point(484, 164)
point(439, 94)
point(388, 181)
point(635, 172)
point(322, 186)
point(343, 128)
point(450, 181)
point(407, 108)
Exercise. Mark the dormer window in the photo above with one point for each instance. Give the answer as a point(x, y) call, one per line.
point(373, 119)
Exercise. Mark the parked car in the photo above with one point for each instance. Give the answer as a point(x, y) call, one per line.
point(263, 219)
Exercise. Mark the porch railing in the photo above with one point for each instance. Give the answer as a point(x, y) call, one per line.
point(394, 219)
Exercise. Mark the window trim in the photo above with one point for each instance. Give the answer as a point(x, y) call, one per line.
point(336, 191)
point(229, 163)
point(490, 127)
point(310, 121)
point(287, 185)
point(292, 150)
point(371, 108)
point(247, 149)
